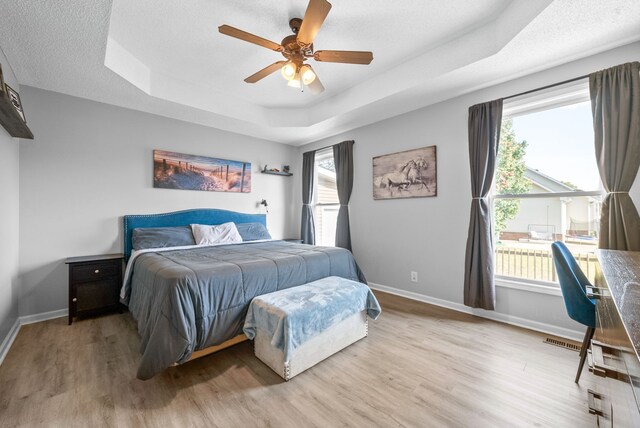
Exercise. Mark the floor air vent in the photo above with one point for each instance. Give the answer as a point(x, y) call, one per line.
point(563, 344)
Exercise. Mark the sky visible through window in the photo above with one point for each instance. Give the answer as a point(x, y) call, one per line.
point(561, 144)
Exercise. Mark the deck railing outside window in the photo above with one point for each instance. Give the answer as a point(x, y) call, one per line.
point(537, 265)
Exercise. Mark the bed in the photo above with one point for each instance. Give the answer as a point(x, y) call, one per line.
point(188, 300)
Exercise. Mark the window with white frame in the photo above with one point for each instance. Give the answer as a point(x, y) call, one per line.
point(326, 203)
point(547, 186)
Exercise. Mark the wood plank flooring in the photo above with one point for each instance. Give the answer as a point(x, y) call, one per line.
point(421, 366)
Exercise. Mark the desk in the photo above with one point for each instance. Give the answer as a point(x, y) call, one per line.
point(615, 351)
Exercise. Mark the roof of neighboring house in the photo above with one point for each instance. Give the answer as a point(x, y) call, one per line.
point(547, 183)
point(326, 174)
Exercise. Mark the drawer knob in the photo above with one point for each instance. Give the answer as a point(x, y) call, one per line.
point(597, 293)
point(96, 271)
point(592, 396)
point(75, 299)
point(606, 361)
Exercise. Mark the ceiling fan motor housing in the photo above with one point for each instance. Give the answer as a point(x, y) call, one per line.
point(293, 51)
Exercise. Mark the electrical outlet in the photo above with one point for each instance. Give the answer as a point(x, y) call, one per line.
point(414, 276)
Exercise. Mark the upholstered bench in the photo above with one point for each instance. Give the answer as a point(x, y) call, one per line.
point(296, 328)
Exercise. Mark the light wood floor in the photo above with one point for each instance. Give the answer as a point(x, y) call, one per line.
point(421, 366)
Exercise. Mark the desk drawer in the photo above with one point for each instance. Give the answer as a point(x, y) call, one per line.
point(612, 357)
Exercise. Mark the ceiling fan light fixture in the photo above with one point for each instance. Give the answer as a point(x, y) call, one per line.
point(289, 70)
point(295, 82)
point(307, 73)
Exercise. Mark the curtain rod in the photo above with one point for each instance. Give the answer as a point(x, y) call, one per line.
point(326, 147)
point(547, 87)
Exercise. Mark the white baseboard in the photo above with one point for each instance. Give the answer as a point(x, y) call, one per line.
point(492, 315)
point(43, 316)
point(8, 340)
point(28, 319)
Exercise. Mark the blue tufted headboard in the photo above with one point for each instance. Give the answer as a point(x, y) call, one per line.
point(208, 216)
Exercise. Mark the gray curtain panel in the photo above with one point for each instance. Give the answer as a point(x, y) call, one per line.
point(307, 228)
point(615, 104)
point(343, 158)
point(484, 136)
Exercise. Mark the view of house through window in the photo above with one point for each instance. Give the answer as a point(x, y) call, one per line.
point(325, 198)
point(546, 188)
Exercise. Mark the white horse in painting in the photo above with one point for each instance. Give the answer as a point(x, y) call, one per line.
point(414, 176)
point(397, 179)
point(409, 174)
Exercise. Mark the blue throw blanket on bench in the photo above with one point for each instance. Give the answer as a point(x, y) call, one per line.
point(294, 315)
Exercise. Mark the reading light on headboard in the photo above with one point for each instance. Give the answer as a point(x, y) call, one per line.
point(266, 206)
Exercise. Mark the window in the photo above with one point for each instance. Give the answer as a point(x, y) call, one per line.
point(547, 186)
point(325, 198)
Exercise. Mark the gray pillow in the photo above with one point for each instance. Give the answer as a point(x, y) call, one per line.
point(159, 237)
point(252, 231)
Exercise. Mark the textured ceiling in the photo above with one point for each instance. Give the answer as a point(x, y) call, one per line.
point(183, 42)
point(167, 58)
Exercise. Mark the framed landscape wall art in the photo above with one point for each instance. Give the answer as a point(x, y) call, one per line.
point(409, 174)
point(191, 172)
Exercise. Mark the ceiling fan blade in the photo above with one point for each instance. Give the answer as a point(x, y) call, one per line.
point(265, 72)
point(315, 15)
point(248, 37)
point(316, 86)
point(347, 57)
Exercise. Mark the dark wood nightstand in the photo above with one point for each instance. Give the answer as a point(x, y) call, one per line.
point(94, 284)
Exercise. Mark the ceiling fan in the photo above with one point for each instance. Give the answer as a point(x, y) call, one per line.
point(298, 47)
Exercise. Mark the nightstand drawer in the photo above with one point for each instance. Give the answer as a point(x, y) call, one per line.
point(95, 271)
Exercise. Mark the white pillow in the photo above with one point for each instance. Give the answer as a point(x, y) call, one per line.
point(225, 233)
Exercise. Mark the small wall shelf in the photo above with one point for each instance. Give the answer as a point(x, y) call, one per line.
point(11, 120)
point(286, 174)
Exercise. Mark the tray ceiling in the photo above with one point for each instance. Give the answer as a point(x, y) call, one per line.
point(167, 57)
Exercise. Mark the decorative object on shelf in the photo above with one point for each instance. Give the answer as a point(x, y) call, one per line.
point(266, 206)
point(94, 284)
point(12, 118)
point(14, 97)
point(275, 171)
point(192, 172)
point(409, 174)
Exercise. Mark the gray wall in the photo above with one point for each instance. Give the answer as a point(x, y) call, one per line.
point(428, 235)
point(91, 163)
point(9, 218)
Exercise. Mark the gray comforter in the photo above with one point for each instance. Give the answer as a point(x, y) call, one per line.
point(185, 300)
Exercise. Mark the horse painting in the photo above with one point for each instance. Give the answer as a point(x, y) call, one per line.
point(410, 174)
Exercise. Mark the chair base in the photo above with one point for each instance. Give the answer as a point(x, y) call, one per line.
point(586, 342)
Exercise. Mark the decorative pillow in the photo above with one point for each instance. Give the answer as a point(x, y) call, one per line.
point(225, 233)
point(159, 237)
point(253, 231)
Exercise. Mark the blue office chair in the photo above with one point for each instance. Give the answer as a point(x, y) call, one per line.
point(573, 284)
